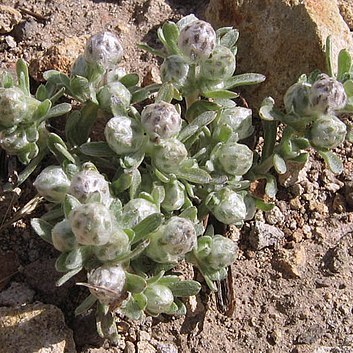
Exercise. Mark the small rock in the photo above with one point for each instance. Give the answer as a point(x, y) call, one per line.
point(129, 347)
point(166, 348)
point(145, 347)
point(152, 76)
point(295, 203)
point(296, 172)
point(263, 235)
point(17, 294)
point(339, 204)
point(144, 336)
point(275, 216)
point(291, 262)
point(9, 18)
point(36, 328)
point(10, 41)
point(311, 335)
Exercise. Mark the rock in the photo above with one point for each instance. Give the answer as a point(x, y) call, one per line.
point(340, 258)
point(145, 347)
point(275, 216)
point(346, 10)
point(129, 347)
point(16, 294)
point(325, 349)
point(166, 348)
point(36, 328)
point(291, 262)
point(263, 235)
point(9, 18)
point(281, 39)
point(310, 335)
point(296, 173)
point(57, 57)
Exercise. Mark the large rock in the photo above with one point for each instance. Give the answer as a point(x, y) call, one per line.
point(281, 39)
point(38, 328)
point(346, 10)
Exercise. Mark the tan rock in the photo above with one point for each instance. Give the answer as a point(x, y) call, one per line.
point(291, 262)
point(281, 39)
point(9, 18)
point(346, 10)
point(38, 328)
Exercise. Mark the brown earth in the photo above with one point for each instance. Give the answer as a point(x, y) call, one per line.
point(293, 296)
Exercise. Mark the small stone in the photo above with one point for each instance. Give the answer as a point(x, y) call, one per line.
point(275, 216)
point(145, 347)
point(129, 347)
point(144, 336)
point(295, 203)
point(291, 262)
point(166, 348)
point(297, 236)
point(10, 41)
point(9, 18)
point(297, 190)
point(339, 204)
point(320, 207)
point(17, 294)
point(35, 328)
point(152, 76)
point(311, 335)
point(263, 235)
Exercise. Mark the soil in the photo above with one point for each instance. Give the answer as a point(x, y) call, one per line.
point(295, 295)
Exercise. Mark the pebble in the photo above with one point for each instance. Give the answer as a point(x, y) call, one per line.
point(291, 262)
point(166, 348)
point(16, 294)
point(129, 347)
point(145, 347)
point(263, 235)
point(37, 328)
point(9, 18)
point(275, 216)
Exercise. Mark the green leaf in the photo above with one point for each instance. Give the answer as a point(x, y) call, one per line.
point(220, 94)
point(23, 76)
point(244, 80)
point(194, 175)
point(69, 204)
point(158, 194)
point(67, 276)
point(178, 308)
point(134, 307)
point(302, 158)
point(57, 78)
point(147, 226)
point(80, 88)
point(199, 107)
point(97, 149)
point(130, 80)
point(279, 164)
point(264, 206)
point(42, 110)
point(31, 167)
point(76, 258)
point(58, 110)
point(332, 161)
point(165, 93)
point(230, 38)
point(135, 183)
point(348, 87)
point(62, 150)
point(301, 143)
point(135, 283)
point(106, 325)
point(85, 123)
point(6, 80)
point(85, 305)
point(42, 93)
point(151, 50)
point(184, 288)
point(344, 63)
point(190, 213)
point(271, 186)
point(142, 94)
point(122, 183)
point(267, 111)
point(43, 229)
point(329, 56)
point(71, 132)
point(170, 36)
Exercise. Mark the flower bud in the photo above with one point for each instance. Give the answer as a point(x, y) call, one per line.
point(327, 95)
point(222, 253)
point(234, 158)
point(15, 107)
point(114, 96)
point(197, 40)
point(63, 238)
point(108, 284)
point(159, 298)
point(172, 241)
point(169, 154)
point(137, 210)
point(92, 224)
point(219, 66)
point(117, 245)
point(124, 135)
point(239, 119)
point(297, 99)
point(227, 206)
point(327, 132)
point(161, 120)
point(88, 182)
point(174, 70)
point(174, 196)
point(105, 49)
point(52, 183)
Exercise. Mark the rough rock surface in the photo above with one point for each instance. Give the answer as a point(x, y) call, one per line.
point(36, 328)
point(9, 17)
point(346, 10)
point(285, 39)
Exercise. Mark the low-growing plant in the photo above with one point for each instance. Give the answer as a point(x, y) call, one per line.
point(129, 208)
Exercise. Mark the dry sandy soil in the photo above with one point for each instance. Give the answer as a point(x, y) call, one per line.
point(293, 296)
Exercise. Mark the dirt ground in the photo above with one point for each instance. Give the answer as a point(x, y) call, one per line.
point(293, 296)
